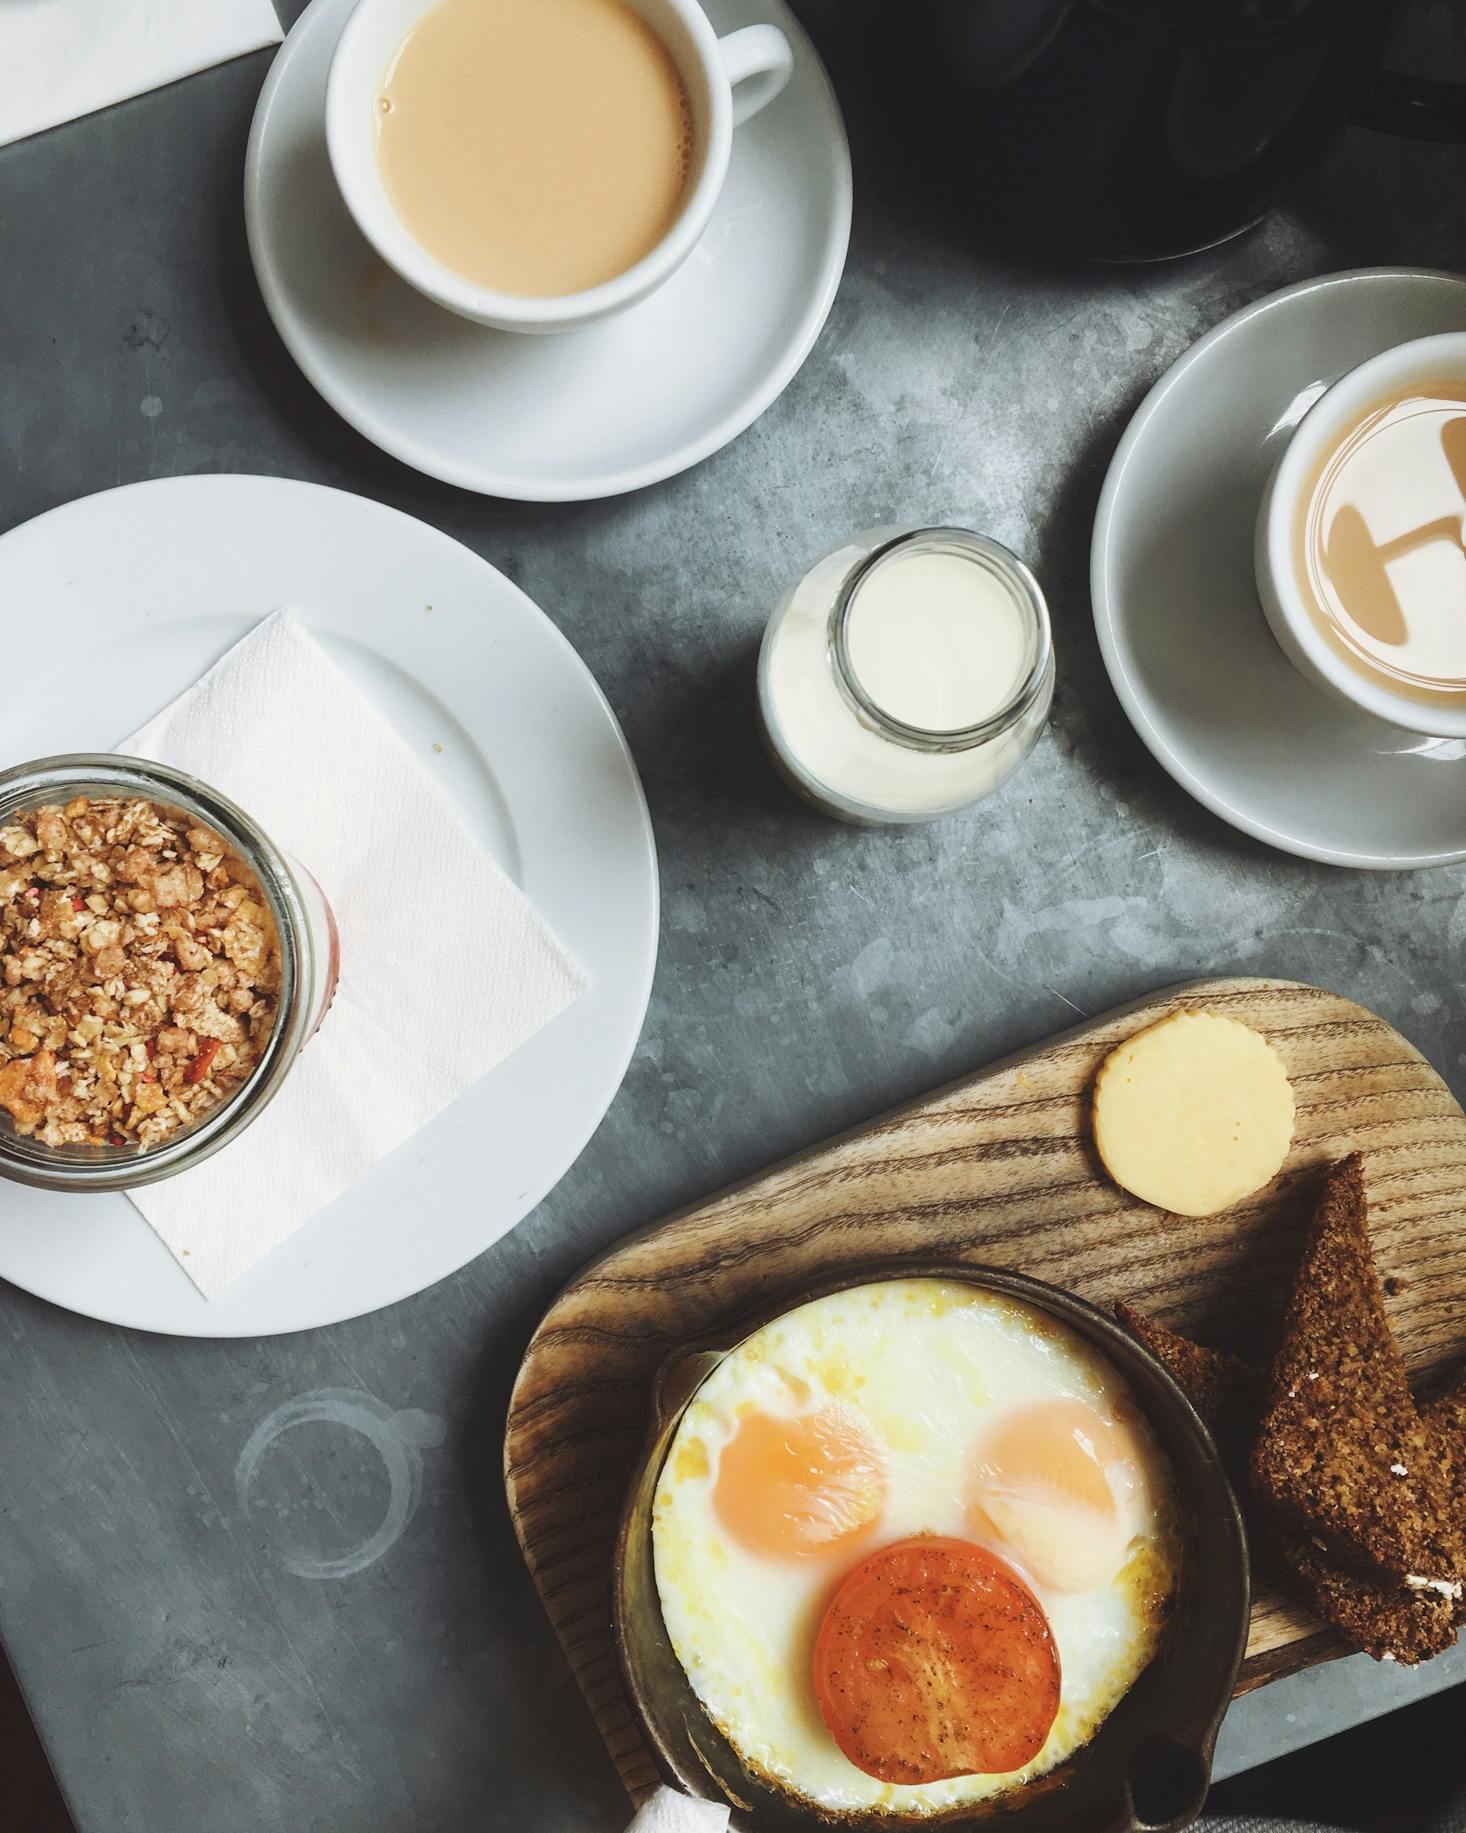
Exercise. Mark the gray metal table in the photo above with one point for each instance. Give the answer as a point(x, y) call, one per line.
point(184, 1678)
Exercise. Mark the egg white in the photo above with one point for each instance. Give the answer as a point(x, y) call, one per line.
point(925, 1363)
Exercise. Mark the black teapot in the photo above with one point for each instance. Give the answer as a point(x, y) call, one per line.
point(1133, 130)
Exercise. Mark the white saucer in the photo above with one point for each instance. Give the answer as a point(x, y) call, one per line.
point(591, 413)
point(134, 593)
point(1179, 623)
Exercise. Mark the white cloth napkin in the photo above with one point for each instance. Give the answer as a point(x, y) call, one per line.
point(671, 1812)
point(63, 58)
point(446, 967)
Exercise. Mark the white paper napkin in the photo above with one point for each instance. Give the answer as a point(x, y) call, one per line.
point(671, 1812)
point(446, 967)
point(63, 58)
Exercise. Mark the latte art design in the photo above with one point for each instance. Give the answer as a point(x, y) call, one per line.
point(1381, 543)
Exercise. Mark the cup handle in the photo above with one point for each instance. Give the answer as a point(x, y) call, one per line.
point(758, 62)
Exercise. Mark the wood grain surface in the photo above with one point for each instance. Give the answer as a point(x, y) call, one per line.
point(998, 1169)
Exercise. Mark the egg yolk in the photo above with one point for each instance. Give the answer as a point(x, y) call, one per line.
point(1046, 1486)
point(799, 1488)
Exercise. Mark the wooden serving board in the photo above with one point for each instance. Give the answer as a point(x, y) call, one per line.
point(998, 1169)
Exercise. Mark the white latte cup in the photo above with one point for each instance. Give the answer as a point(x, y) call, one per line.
point(1284, 603)
point(726, 81)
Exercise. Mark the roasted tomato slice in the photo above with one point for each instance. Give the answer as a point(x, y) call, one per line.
point(934, 1659)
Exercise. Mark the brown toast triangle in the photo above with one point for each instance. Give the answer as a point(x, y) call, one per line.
point(1385, 1620)
point(1390, 1623)
point(1222, 1388)
point(1342, 1455)
point(1446, 1417)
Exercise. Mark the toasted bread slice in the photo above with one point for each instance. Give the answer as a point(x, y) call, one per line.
point(1385, 1620)
point(1446, 1417)
point(1222, 1388)
point(1342, 1455)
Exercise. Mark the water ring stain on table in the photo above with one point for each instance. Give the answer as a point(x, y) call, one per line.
point(399, 1438)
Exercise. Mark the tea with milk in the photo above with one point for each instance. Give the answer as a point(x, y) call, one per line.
point(534, 147)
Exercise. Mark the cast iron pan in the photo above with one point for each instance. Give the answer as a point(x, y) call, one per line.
point(1147, 1768)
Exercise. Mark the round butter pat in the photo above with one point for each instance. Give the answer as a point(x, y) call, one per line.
point(1193, 1113)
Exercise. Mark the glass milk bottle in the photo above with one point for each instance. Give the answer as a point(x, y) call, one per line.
point(907, 674)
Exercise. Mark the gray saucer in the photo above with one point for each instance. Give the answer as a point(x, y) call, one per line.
point(1179, 623)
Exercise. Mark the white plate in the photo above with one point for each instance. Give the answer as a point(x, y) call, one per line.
point(1179, 622)
point(133, 594)
point(591, 413)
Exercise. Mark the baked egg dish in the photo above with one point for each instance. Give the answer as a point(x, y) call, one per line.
point(913, 1542)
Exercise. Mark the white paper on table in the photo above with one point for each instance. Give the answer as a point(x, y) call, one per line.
point(64, 58)
point(446, 966)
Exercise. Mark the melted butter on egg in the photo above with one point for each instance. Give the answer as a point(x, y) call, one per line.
point(691, 1460)
point(835, 1375)
point(1147, 1580)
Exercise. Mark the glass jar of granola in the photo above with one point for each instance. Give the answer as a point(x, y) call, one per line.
point(162, 964)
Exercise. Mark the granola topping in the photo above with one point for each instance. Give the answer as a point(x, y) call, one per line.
point(139, 972)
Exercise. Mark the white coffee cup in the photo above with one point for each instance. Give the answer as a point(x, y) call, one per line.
point(1283, 601)
point(727, 80)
